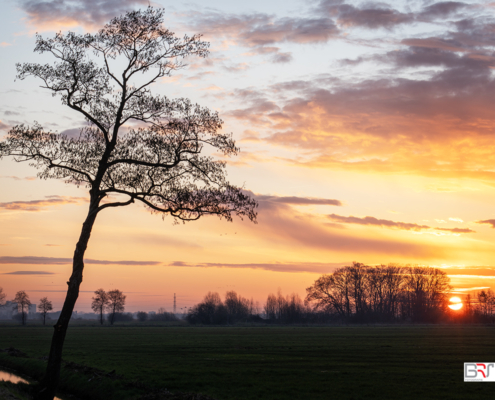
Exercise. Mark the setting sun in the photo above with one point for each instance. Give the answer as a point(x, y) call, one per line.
point(457, 303)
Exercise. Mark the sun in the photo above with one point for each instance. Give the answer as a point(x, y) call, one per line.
point(456, 303)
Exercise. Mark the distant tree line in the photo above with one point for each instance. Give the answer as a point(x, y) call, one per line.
point(356, 293)
point(480, 308)
point(384, 293)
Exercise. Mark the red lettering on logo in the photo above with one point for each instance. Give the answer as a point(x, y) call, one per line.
point(479, 370)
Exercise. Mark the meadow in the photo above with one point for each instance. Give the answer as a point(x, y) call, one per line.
point(266, 362)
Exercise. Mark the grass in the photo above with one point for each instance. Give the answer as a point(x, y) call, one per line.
point(246, 363)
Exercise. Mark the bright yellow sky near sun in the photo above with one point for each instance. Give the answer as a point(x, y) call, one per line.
point(362, 139)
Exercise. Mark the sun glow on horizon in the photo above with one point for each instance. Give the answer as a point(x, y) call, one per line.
point(457, 303)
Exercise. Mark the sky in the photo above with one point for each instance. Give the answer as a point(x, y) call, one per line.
point(365, 131)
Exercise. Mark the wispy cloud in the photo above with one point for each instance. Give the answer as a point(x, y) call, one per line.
point(35, 260)
point(385, 223)
point(28, 273)
point(275, 266)
point(302, 201)
point(38, 205)
point(18, 178)
point(377, 222)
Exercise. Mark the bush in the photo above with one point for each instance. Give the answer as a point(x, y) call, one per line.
point(121, 317)
point(142, 316)
point(162, 315)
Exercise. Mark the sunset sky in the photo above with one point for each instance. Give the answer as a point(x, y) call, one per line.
point(365, 131)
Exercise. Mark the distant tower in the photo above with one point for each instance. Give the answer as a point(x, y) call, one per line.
point(175, 305)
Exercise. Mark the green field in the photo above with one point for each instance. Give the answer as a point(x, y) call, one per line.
point(394, 362)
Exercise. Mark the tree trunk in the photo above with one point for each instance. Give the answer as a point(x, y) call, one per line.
point(49, 383)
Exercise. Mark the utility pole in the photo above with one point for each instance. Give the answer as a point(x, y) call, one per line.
point(175, 305)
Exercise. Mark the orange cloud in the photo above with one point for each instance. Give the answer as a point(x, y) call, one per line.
point(385, 223)
point(90, 14)
point(38, 205)
point(487, 221)
point(322, 268)
point(35, 260)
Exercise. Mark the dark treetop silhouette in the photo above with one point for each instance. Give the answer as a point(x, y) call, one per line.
point(100, 301)
point(44, 306)
point(158, 164)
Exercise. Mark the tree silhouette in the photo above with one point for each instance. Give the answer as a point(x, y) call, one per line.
point(44, 306)
point(115, 304)
point(99, 303)
point(158, 164)
point(22, 300)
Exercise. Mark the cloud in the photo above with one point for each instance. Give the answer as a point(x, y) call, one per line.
point(28, 273)
point(442, 9)
point(281, 225)
point(371, 17)
point(385, 223)
point(17, 178)
point(262, 32)
point(91, 14)
point(437, 124)
point(487, 221)
point(299, 200)
point(456, 230)
point(35, 260)
point(38, 205)
point(381, 15)
point(321, 268)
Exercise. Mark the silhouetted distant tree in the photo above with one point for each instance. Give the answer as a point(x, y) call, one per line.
point(2, 297)
point(212, 311)
point(99, 303)
point(105, 77)
point(289, 309)
point(116, 303)
point(142, 316)
point(486, 303)
point(238, 308)
point(44, 306)
point(23, 303)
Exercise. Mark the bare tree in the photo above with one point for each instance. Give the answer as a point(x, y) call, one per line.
point(382, 293)
point(99, 303)
point(2, 297)
point(106, 77)
point(116, 303)
point(44, 306)
point(23, 303)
